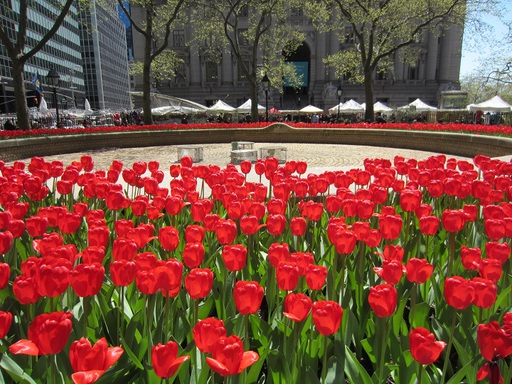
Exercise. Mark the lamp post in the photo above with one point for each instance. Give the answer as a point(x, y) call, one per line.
point(339, 92)
point(266, 84)
point(53, 77)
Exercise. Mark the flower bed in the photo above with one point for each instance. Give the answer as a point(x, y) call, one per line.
point(399, 271)
point(451, 127)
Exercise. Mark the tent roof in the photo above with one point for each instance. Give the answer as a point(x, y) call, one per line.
point(161, 100)
point(311, 109)
point(419, 105)
point(348, 106)
point(496, 104)
point(221, 106)
point(246, 107)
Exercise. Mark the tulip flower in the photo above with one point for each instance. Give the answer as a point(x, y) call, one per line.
point(87, 279)
point(225, 229)
point(316, 276)
point(297, 306)
point(391, 271)
point(5, 323)
point(498, 251)
point(327, 316)
point(485, 292)
point(390, 226)
point(458, 292)
point(248, 296)
point(234, 257)
point(5, 273)
point(418, 270)
point(298, 226)
point(169, 238)
point(287, 275)
point(453, 220)
point(275, 224)
point(47, 334)
point(89, 362)
point(193, 254)
point(383, 299)
point(229, 357)
point(165, 359)
point(199, 283)
point(207, 332)
point(194, 233)
point(424, 347)
point(6, 238)
point(277, 253)
point(495, 344)
point(470, 257)
point(490, 269)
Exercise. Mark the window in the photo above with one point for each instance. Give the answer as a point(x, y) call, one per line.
point(241, 75)
point(178, 38)
point(181, 73)
point(413, 72)
point(349, 35)
point(211, 72)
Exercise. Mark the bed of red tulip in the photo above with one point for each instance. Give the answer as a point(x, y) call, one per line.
point(396, 272)
point(478, 129)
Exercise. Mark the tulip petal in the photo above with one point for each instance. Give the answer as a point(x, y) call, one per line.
point(175, 365)
point(86, 377)
point(218, 367)
point(113, 354)
point(24, 347)
point(483, 372)
point(248, 359)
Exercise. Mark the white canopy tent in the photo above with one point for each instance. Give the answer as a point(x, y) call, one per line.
point(379, 107)
point(311, 109)
point(495, 104)
point(418, 106)
point(221, 106)
point(350, 106)
point(246, 107)
point(173, 110)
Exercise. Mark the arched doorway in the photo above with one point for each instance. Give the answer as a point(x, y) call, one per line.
point(297, 98)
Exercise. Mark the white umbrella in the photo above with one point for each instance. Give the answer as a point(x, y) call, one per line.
point(381, 107)
point(311, 109)
point(221, 106)
point(350, 106)
point(43, 107)
point(246, 107)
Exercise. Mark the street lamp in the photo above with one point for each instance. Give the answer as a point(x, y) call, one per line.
point(53, 78)
point(339, 92)
point(266, 84)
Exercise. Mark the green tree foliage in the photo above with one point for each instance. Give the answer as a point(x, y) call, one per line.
point(158, 61)
point(20, 51)
point(378, 30)
point(249, 30)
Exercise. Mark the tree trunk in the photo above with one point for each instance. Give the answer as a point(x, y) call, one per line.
point(368, 92)
point(254, 102)
point(20, 96)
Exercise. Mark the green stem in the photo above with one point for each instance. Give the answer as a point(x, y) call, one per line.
point(451, 254)
point(449, 347)
point(324, 364)
point(413, 304)
point(420, 373)
point(383, 349)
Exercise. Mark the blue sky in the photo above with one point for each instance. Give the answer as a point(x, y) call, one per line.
point(470, 58)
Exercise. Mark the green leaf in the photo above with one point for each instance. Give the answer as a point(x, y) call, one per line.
point(131, 355)
point(14, 370)
point(356, 373)
point(457, 378)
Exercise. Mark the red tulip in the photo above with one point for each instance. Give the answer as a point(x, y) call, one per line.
point(193, 254)
point(169, 238)
point(390, 226)
point(275, 224)
point(229, 357)
point(327, 316)
point(424, 347)
point(490, 269)
point(69, 222)
point(5, 242)
point(168, 276)
point(165, 359)
point(5, 273)
point(36, 225)
point(25, 289)
point(207, 332)
point(429, 225)
point(87, 279)
point(383, 299)
point(199, 283)
point(418, 270)
point(495, 344)
point(315, 276)
point(234, 256)
point(277, 253)
point(485, 292)
point(453, 220)
point(494, 228)
point(498, 251)
point(122, 272)
point(248, 296)
point(92, 254)
point(194, 233)
point(470, 257)
point(98, 236)
point(146, 282)
point(5, 323)
point(298, 226)
point(90, 362)
point(124, 249)
point(225, 229)
point(287, 275)
point(345, 241)
point(52, 276)
point(391, 271)
point(48, 334)
point(458, 292)
point(297, 306)
point(410, 200)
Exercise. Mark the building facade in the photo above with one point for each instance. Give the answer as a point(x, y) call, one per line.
point(204, 81)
